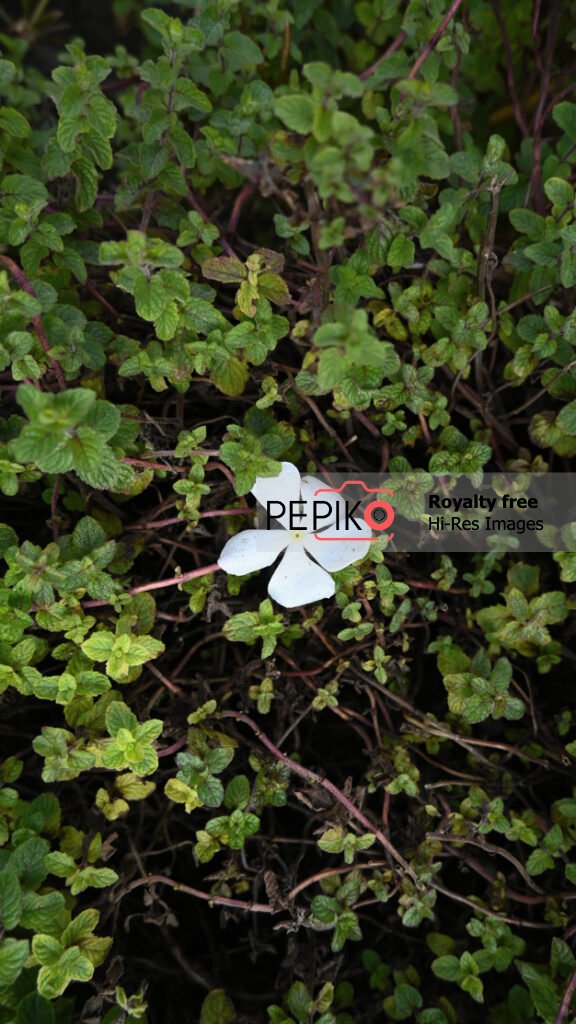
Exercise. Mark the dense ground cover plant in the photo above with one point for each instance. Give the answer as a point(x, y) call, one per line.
point(233, 234)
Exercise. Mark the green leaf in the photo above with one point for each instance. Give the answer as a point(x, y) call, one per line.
point(34, 1009)
point(72, 966)
point(99, 645)
point(217, 1008)
point(10, 900)
point(237, 792)
point(296, 112)
point(299, 1001)
point(541, 987)
point(447, 967)
point(401, 252)
point(538, 862)
point(189, 95)
point(68, 130)
point(559, 192)
point(564, 115)
point(474, 987)
point(42, 912)
point(13, 955)
point(225, 269)
point(13, 124)
point(230, 375)
point(119, 716)
point(7, 72)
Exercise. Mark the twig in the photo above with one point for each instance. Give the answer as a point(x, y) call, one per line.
point(212, 898)
point(155, 465)
point(391, 49)
point(435, 38)
point(159, 584)
point(322, 256)
point(510, 79)
point(196, 205)
point(370, 427)
point(491, 849)
point(23, 283)
point(319, 416)
point(147, 211)
point(566, 999)
point(173, 748)
point(166, 682)
point(173, 520)
point(543, 391)
point(329, 786)
point(103, 302)
point(241, 198)
point(488, 911)
point(485, 267)
point(534, 31)
point(434, 586)
point(331, 872)
point(435, 728)
point(540, 115)
point(54, 507)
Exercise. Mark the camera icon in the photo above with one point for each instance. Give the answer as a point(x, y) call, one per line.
point(377, 514)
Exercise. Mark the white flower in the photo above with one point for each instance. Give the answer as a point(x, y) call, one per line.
point(303, 575)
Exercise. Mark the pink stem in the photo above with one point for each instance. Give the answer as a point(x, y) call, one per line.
point(23, 283)
point(173, 520)
point(218, 901)
point(326, 784)
point(173, 748)
point(160, 584)
point(391, 49)
point(435, 38)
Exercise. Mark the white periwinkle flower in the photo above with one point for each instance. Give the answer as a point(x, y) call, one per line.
point(303, 574)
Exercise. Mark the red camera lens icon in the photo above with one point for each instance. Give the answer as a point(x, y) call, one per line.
point(377, 514)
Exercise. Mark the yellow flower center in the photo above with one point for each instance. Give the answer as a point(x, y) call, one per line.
point(297, 535)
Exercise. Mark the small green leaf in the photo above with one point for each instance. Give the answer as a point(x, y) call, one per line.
point(296, 112)
point(401, 252)
point(13, 955)
point(217, 1008)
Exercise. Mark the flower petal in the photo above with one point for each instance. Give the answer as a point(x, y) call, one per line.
point(283, 488)
point(298, 580)
point(252, 550)
point(337, 554)
point(310, 484)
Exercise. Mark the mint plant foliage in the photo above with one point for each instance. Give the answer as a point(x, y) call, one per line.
point(236, 235)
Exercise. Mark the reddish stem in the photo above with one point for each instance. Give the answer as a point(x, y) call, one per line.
point(391, 49)
point(218, 901)
point(167, 682)
point(430, 45)
point(566, 999)
point(511, 81)
point(173, 520)
point(160, 584)
point(54, 507)
point(155, 465)
point(540, 116)
point(241, 198)
point(23, 283)
point(103, 302)
point(319, 780)
point(173, 748)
